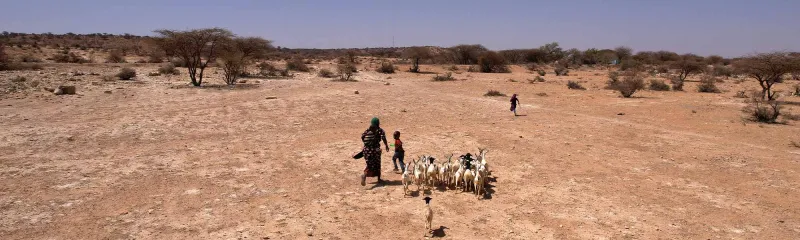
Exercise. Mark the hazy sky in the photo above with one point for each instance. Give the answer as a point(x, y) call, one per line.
point(724, 27)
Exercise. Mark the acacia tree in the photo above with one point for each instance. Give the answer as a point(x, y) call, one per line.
point(623, 53)
point(768, 69)
point(197, 48)
point(552, 52)
point(238, 52)
point(467, 54)
point(416, 54)
point(686, 65)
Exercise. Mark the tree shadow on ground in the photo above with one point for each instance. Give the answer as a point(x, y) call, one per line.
point(241, 86)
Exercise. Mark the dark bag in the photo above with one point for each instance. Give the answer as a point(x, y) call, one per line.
point(358, 155)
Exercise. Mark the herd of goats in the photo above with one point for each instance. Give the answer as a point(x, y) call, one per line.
point(466, 173)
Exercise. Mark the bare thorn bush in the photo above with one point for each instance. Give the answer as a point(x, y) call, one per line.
point(297, 64)
point(346, 72)
point(575, 85)
point(386, 67)
point(126, 74)
point(326, 73)
point(658, 85)
point(761, 110)
point(446, 77)
point(491, 62)
point(168, 69)
point(708, 84)
point(494, 93)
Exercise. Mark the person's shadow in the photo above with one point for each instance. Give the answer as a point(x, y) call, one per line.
point(387, 183)
point(439, 232)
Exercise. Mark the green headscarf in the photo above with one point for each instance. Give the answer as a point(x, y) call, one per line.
point(375, 122)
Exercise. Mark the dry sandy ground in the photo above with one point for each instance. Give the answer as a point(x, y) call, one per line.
point(155, 159)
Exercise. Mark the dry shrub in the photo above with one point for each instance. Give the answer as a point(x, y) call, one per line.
point(108, 78)
point(677, 83)
point(285, 73)
point(613, 80)
point(760, 110)
point(722, 71)
point(326, 73)
point(630, 65)
point(796, 90)
point(631, 82)
point(491, 62)
point(267, 69)
point(115, 56)
point(178, 62)
point(541, 72)
point(539, 79)
point(168, 69)
point(575, 85)
point(126, 74)
point(27, 58)
point(69, 57)
point(155, 57)
point(658, 85)
point(153, 74)
point(21, 66)
point(446, 77)
point(561, 71)
point(453, 68)
point(662, 69)
point(494, 93)
point(346, 72)
point(386, 67)
point(708, 85)
point(541, 94)
point(18, 79)
point(297, 64)
point(740, 94)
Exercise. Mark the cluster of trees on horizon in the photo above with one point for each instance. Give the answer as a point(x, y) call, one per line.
point(199, 48)
point(138, 45)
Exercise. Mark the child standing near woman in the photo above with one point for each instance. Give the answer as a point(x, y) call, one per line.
point(399, 153)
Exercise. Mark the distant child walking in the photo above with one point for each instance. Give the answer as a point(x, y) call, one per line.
point(399, 153)
point(514, 102)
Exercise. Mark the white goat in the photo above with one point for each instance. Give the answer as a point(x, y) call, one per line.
point(469, 176)
point(407, 175)
point(444, 173)
point(419, 175)
point(478, 182)
point(432, 175)
point(428, 216)
point(459, 175)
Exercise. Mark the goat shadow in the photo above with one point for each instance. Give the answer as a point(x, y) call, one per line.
point(439, 232)
point(489, 189)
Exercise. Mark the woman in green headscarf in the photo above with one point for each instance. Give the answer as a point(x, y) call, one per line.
point(372, 150)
